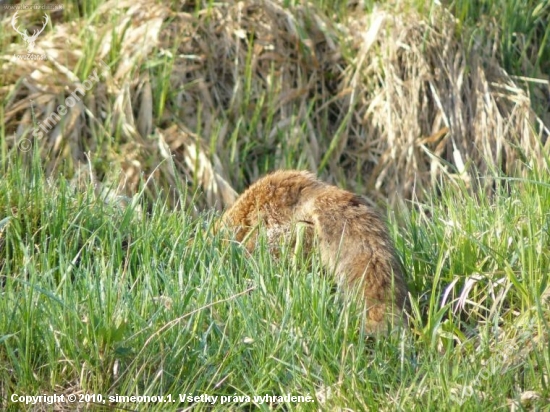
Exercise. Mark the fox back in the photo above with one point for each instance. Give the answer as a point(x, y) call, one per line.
point(353, 239)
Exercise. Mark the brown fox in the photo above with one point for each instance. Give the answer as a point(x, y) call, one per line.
point(353, 239)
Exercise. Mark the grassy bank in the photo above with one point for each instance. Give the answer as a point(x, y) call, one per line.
point(106, 299)
point(432, 110)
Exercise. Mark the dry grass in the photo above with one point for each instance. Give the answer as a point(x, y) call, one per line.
point(389, 102)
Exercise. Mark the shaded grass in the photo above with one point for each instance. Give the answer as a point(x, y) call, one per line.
point(521, 25)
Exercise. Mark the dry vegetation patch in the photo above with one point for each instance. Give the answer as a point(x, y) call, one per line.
point(392, 100)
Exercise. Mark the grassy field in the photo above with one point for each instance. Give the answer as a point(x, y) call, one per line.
point(104, 296)
point(105, 299)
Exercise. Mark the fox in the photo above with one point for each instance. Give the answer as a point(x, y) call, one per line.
point(353, 240)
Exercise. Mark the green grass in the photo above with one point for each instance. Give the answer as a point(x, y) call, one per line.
point(524, 30)
point(141, 299)
point(105, 299)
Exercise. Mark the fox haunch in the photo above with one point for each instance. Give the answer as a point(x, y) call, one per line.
point(353, 239)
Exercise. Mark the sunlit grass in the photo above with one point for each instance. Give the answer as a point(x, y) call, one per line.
point(111, 299)
point(104, 295)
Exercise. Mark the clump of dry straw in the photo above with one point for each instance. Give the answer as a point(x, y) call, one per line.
point(389, 99)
